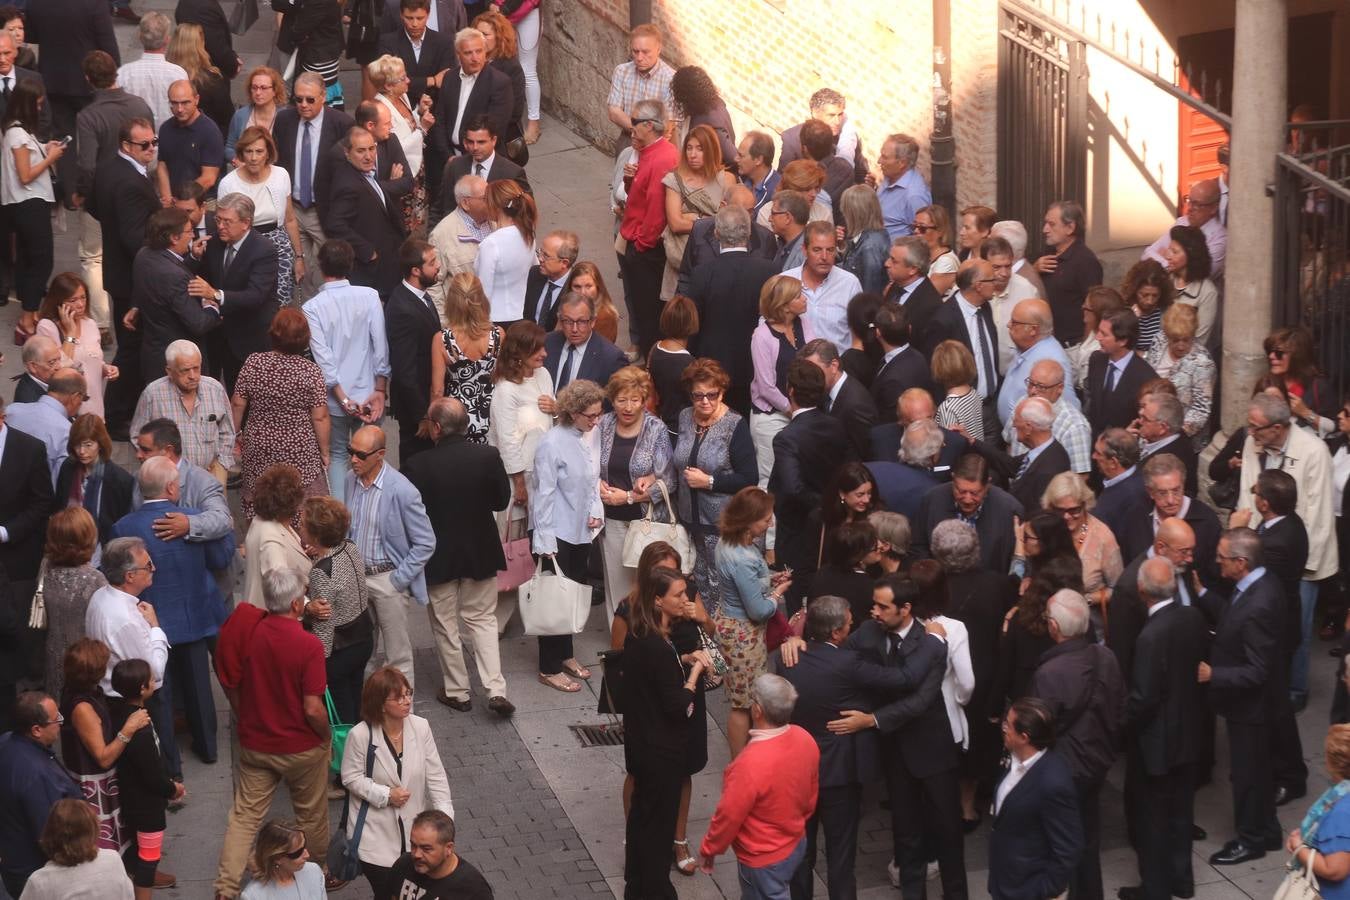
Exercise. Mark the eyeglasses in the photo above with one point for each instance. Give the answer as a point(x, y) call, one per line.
point(148, 567)
point(1277, 353)
point(1037, 386)
point(298, 852)
point(1191, 201)
point(305, 100)
point(574, 323)
point(143, 145)
point(400, 696)
point(1070, 512)
point(777, 212)
point(652, 122)
point(267, 86)
point(1167, 493)
point(704, 396)
point(1252, 427)
point(362, 454)
point(590, 417)
point(59, 720)
point(921, 229)
point(545, 257)
point(1229, 558)
point(1012, 322)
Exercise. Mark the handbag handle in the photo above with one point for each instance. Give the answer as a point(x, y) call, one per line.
point(670, 506)
point(361, 816)
point(332, 709)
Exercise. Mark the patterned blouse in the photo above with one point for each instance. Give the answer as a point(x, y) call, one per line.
point(1194, 375)
point(651, 456)
point(470, 381)
point(339, 576)
point(964, 409)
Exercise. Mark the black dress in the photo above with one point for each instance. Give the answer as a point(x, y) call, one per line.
point(858, 365)
point(853, 586)
point(510, 67)
point(666, 368)
point(142, 775)
point(684, 635)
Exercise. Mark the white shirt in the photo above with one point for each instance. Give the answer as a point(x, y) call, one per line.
point(1018, 771)
point(12, 190)
point(466, 83)
point(827, 304)
point(140, 168)
point(486, 164)
point(1159, 605)
point(417, 42)
point(301, 163)
point(838, 386)
point(977, 340)
point(149, 78)
point(503, 266)
point(113, 618)
point(576, 353)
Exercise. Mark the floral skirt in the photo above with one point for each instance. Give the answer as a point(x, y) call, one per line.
point(101, 793)
point(413, 206)
point(285, 264)
point(742, 643)
point(705, 569)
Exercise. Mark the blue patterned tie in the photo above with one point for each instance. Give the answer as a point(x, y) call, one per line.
point(306, 175)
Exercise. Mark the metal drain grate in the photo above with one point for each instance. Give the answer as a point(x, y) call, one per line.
point(598, 735)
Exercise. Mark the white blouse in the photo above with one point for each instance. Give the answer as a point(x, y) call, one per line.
point(958, 683)
point(269, 197)
point(503, 265)
point(12, 190)
point(517, 423)
point(410, 137)
point(1340, 474)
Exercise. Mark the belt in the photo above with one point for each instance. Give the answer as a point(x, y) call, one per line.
point(265, 229)
point(379, 569)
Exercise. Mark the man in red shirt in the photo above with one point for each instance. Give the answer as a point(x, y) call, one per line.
point(768, 793)
point(644, 219)
point(283, 729)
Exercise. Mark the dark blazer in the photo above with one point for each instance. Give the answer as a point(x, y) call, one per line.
point(1284, 553)
point(902, 486)
point(215, 29)
point(1032, 483)
point(656, 704)
point(44, 131)
point(374, 229)
point(725, 290)
point(1036, 838)
point(979, 599)
point(502, 169)
point(1128, 614)
point(438, 53)
point(1160, 720)
point(450, 16)
point(28, 389)
point(1184, 450)
point(167, 313)
point(69, 30)
point(1115, 503)
point(142, 774)
point(994, 525)
point(286, 134)
point(923, 301)
point(909, 369)
point(409, 324)
point(250, 287)
point(1121, 407)
point(702, 246)
point(25, 503)
point(947, 324)
point(123, 201)
point(601, 359)
point(491, 96)
point(388, 153)
point(855, 587)
point(854, 407)
point(534, 293)
point(114, 499)
point(886, 447)
point(1137, 537)
point(465, 484)
point(1247, 651)
point(806, 452)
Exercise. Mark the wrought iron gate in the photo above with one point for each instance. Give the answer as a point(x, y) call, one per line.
point(1042, 115)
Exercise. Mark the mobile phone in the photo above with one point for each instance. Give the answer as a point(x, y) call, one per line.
point(65, 141)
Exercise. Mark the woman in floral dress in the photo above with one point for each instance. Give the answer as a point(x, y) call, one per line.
point(464, 353)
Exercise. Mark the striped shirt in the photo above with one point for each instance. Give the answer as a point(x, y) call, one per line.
point(207, 431)
point(365, 529)
point(628, 86)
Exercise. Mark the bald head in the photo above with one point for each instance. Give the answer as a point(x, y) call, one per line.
point(1046, 380)
point(741, 196)
point(915, 404)
point(1202, 203)
point(1175, 542)
point(1031, 321)
point(1157, 580)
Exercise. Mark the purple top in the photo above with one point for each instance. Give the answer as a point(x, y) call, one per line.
point(764, 346)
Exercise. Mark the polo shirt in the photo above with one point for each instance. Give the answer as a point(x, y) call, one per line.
point(283, 666)
point(1067, 286)
point(184, 148)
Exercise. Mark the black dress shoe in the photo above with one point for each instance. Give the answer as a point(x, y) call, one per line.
point(457, 705)
point(968, 826)
point(501, 706)
point(1235, 854)
point(1284, 795)
point(1198, 833)
point(1133, 892)
point(1185, 892)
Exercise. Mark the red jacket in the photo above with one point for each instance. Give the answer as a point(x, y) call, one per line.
point(768, 793)
point(236, 633)
point(644, 216)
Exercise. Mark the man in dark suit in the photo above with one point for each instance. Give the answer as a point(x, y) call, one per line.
point(123, 200)
point(463, 485)
point(490, 94)
point(1164, 480)
point(703, 244)
point(410, 319)
point(805, 454)
point(725, 291)
point(1036, 835)
point(575, 350)
point(902, 366)
point(846, 398)
point(1115, 374)
point(1243, 679)
point(480, 157)
point(1175, 542)
point(902, 484)
point(909, 287)
point(913, 405)
point(41, 358)
point(973, 498)
point(304, 133)
point(215, 29)
point(1163, 735)
point(239, 272)
point(360, 212)
point(427, 54)
point(1115, 454)
point(11, 75)
point(1159, 425)
point(166, 310)
point(391, 164)
point(544, 285)
point(445, 16)
point(1030, 473)
point(967, 317)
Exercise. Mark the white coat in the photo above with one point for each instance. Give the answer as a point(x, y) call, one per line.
point(1307, 459)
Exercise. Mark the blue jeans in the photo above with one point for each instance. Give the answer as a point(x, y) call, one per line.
point(770, 882)
point(340, 430)
point(1298, 669)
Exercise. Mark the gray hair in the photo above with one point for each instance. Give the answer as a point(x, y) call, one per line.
point(1015, 233)
point(449, 414)
point(1120, 445)
point(576, 398)
point(470, 186)
point(1069, 609)
point(466, 34)
point(1246, 543)
point(917, 253)
point(154, 31)
point(893, 528)
point(1071, 213)
point(238, 204)
point(1169, 411)
point(1162, 464)
point(569, 245)
point(956, 545)
point(906, 148)
point(312, 79)
point(824, 616)
point(1037, 412)
point(732, 226)
point(1069, 485)
point(37, 346)
point(282, 586)
point(921, 442)
point(1275, 410)
point(776, 697)
point(649, 109)
point(119, 558)
point(155, 476)
point(1157, 578)
point(179, 349)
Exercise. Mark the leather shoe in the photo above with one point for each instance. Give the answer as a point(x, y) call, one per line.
point(1198, 833)
point(501, 706)
point(1235, 854)
point(124, 14)
point(1132, 892)
point(968, 826)
point(1284, 795)
point(1185, 893)
point(458, 705)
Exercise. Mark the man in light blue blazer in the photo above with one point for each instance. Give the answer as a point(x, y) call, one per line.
point(391, 529)
point(198, 488)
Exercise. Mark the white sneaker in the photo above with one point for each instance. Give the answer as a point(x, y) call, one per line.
point(894, 871)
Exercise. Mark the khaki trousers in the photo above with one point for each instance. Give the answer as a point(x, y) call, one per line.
point(472, 604)
point(90, 249)
point(311, 239)
point(306, 777)
point(389, 606)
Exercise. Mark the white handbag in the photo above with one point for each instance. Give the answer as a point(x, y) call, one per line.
point(1299, 882)
point(553, 604)
point(646, 530)
point(37, 610)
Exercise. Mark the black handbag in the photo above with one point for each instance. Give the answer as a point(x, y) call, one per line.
point(364, 30)
point(1225, 493)
point(343, 862)
point(244, 15)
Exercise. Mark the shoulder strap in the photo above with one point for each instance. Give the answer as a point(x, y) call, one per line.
point(365, 805)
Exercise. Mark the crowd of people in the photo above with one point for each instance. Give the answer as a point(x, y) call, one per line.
point(929, 504)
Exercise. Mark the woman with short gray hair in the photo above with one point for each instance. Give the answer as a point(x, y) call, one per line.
point(893, 537)
point(1068, 495)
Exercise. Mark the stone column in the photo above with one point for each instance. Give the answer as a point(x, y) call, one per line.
point(1258, 134)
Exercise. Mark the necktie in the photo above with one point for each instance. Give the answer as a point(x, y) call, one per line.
point(986, 379)
point(1183, 595)
point(478, 169)
point(1110, 377)
point(894, 641)
point(8, 79)
point(1263, 460)
point(1022, 469)
point(306, 173)
point(370, 177)
point(1261, 529)
point(546, 303)
point(229, 257)
point(565, 373)
point(1236, 595)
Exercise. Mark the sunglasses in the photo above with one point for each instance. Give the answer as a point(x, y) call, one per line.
point(298, 852)
point(1278, 354)
point(362, 454)
point(710, 396)
point(653, 122)
point(144, 145)
point(306, 100)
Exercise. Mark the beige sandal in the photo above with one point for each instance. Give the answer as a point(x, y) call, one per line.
point(531, 131)
point(576, 669)
point(687, 865)
point(559, 682)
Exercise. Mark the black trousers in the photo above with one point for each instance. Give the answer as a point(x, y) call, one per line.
point(1291, 772)
point(345, 668)
point(926, 812)
point(1160, 816)
point(383, 882)
point(1249, 747)
point(1086, 883)
point(65, 108)
point(642, 273)
point(650, 831)
point(837, 811)
point(30, 224)
point(555, 649)
point(409, 444)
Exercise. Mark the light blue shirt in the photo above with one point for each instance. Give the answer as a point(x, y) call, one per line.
point(1247, 581)
point(827, 304)
point(900, 199)
point(316, 125)
point(566, 492)
point(1015, 382)
point(346, 335)
point(365, 527)
point(47, 420)
point(744, 578)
